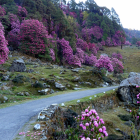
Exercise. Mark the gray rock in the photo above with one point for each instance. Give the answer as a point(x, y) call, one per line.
point(26, 93)
point(43, 91)
point(51, 91)
point(132, 74)
point(59, 86)
point(77, 88)
point(3, 99)
point(132, 81)
point(37, 127)
point(104, 54)
point(20, 94)
point(5, 78)
point(18, 66)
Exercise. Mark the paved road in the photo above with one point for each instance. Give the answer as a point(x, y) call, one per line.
point(13, 118)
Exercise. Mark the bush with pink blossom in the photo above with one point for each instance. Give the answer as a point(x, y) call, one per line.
point(117, 65)
point(89, 126)
point(80, 54)
point(2, 11)
point(66, 53)
point(117, 55)
point(90, 60)
point(22, 12)
point(82, 44)
point(104, 62)
point(33, 37)
point(3, 46)
point(52, 54)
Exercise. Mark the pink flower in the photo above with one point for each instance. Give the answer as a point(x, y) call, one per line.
point(87, 124)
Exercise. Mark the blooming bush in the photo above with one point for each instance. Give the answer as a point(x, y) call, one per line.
point(33, 37)
point(90, 126)
point(99, 45)
point(117, 55)
point(52, 54)
point(108, 42)
point(138, 43)
point(90, 60)
point(117, 65)
point(127, 43)
point(80, 54)
point(82, 44)
point(92, 48)
point(3, 46)
point(12, 37)
point(2, 11)
point(67, 53)
point(22, 12)
point(104, 62)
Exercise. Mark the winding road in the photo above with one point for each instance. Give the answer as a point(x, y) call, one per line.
point(13, 118)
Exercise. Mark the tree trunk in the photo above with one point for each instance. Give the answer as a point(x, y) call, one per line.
point(121, 46)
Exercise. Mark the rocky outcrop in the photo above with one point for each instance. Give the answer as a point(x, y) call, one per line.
point(18, 66)
point(127, 90)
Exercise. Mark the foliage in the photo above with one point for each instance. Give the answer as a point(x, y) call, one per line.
point(2, 11)
point(89, 126)
point(117, 65)
point(3, 46)
point(117, 55)
point(33, 36)
point(104, 62)
point(90, 60)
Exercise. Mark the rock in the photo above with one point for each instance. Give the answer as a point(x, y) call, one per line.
point(76, 79)
point(59, 86)
point(26, 93)
point(37, 127)
point(132, 74)
point(43, 91)
point(88, 83)
point(127, 94)
point(104, 54)
point(132, 81)
point(76, 88)
point(75, 70)
point(51, 91)
point(3, 99)
point(42, 79)
point(20, 93)
point(30, 70)
point(4, 88)
point(5, 78)
point(18, 66)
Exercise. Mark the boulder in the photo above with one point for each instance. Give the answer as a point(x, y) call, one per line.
point(131, 74)
point(59, 86)
point(127, 90)
point(3, 99)
point(37, 127)
point(44, 91)
point(18, 66)
point(5, 78)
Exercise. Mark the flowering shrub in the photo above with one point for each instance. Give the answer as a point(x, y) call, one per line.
point(80, 54)
point(99, 45)
point(12, 36)
point(97, 32)
point(90, 60)
point(103, 43)
point(117, 65)
point(33, 36)
point(22, 12)
point(138, 43)
point(67, 53)
point(90, 126)
point(92, 48)
point(127, 43)
point(104, 62)
point(108, 42)
point(82, 44)
point(3, 46)
point(135, 127)
point(117, 55)
point(52, 54)
point(2, 11)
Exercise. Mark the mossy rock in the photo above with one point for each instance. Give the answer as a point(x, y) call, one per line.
point(115, 137)
point(126, 117)
point(19, 79)
point(106, 79)
point(38, 85)
point(3, 99)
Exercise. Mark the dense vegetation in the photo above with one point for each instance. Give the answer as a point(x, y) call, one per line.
point(65, 33)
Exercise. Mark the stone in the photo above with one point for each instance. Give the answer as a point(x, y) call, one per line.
point(51, 91)
point(4, 88)
point(37, 127)
point(132, 81)
point(26, 93)
point(77, 88)
point(59, 86)
point(76, 79)
point(131, 74)
point(43, 91)
point(18, 66)
point(30, 70)
point(5, 78)
point(104, 54)
point(3, 99)
point(20, 93)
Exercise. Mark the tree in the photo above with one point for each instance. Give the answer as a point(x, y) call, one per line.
point(3, 46)
point(115, 16)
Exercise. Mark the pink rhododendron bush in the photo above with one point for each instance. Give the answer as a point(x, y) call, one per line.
point(33, 37)
point(117, 55)
point(89, 126)
point(3, 46)
point(2, 11)
point(66, 53)
point(117, 65)
point(104, 62)
point(12, 37)
point(90, 60)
